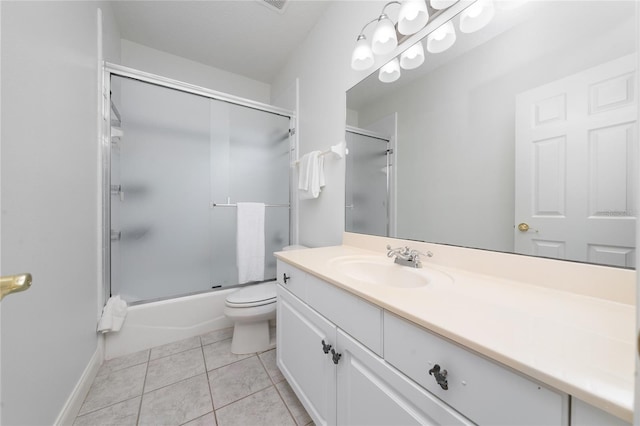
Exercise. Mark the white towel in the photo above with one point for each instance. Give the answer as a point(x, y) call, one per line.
point(310, 175)
point(250, 242)
point(113, 315)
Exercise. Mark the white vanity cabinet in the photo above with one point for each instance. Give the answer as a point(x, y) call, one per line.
point(376, 370)
point(349, 384)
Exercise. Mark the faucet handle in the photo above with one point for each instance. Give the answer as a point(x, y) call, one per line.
point(400, 250)
point(417, 253)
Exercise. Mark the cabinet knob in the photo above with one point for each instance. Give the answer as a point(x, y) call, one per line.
point(285, 278)
point(335, 356)
point(440, 376)
point(325, 347)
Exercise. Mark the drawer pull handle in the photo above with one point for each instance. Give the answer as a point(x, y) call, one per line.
point(335, 356)
point(285, 278)
point(325, 347)
point(440, 376)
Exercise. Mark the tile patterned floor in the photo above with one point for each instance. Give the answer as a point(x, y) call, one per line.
point(195, 382)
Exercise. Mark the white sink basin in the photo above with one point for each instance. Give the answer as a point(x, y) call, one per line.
point(383, 271)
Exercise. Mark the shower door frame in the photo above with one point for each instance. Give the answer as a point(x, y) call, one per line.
point(110, 70)
point(390, 180)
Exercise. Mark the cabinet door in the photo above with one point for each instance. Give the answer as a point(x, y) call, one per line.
point(370, 392)
point(310, 372)
point(583, 414)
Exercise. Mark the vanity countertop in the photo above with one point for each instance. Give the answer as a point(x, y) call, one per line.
point(578, 344)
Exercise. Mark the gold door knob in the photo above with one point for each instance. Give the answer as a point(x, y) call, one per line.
point(523, 227)
point(14, 283)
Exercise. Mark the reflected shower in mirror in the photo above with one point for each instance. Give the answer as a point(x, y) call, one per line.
point(521, 138)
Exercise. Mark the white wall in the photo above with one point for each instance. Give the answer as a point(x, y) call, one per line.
point(50, 213)
point(144, 58)
point(322, 63)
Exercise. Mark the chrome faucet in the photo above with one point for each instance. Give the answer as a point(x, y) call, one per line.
point(406, 256)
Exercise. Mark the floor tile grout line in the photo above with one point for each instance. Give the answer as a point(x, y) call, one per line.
point(105, 407)
point(285, 404)
point(111, 404)
point(206, 372)
point(121, 368)
point(245, 397)
point(266, 370)
point(178, 352)
point(199, 417)
point(226, 365)
point(174, 383)
point(144, 383)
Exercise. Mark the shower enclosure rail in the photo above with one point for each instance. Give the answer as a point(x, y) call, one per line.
point(235, 205)
point(114, 69)
point(110, 111)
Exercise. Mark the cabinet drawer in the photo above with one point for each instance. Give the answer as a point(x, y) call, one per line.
point(482, 390)
point(371, 392)
point(361, 319)
point(295, 279)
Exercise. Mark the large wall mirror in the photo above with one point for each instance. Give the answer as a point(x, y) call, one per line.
point(521, 138)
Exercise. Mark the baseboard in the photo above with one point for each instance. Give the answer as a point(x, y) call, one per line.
point(72, 407)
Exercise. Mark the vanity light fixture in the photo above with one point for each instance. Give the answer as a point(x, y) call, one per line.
point(362, 56)
point(476, 16)
point(413, 57)
point(413, 16)
point(384, 38)
point(442, 38)
point(390, 72)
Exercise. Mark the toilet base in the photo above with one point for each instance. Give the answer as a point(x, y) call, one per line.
point(251, 337)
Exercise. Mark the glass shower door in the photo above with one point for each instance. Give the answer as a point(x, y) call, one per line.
point(160, 193)
point(179, 165)
point(367, 185)
point(249, 163)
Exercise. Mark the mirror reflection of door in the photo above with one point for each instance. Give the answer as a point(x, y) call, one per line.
point(367, 182)
point(576, 145)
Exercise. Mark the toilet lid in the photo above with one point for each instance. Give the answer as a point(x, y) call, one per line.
point(253, 295)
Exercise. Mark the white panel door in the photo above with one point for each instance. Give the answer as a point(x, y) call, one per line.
point(576, 171)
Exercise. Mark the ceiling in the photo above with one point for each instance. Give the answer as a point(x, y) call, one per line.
point(244, 37)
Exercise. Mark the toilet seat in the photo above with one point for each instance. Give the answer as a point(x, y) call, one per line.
point(251, 296)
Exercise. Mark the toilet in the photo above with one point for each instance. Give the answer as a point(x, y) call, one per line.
point(251, 308)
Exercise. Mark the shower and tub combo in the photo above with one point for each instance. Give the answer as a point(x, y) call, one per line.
point(178, 159)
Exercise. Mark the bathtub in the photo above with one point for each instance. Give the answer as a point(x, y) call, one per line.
point(157, 323)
